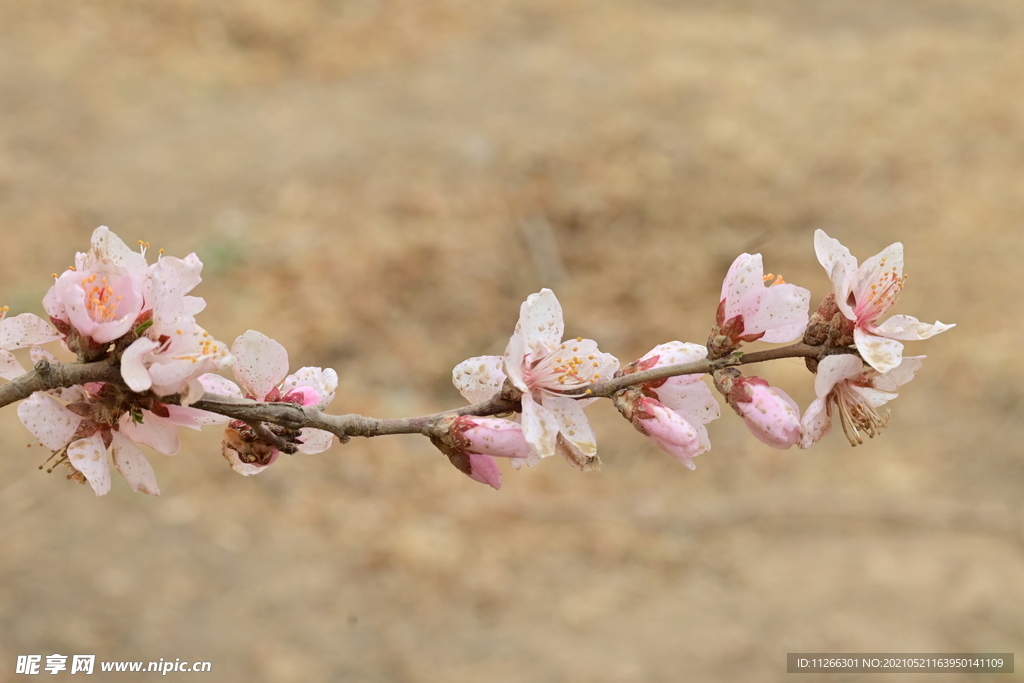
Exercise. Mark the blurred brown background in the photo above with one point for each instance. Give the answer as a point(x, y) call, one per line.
point(380, 183)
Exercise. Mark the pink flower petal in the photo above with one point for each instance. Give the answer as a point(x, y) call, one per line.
point(322, 380)
point(496, 437)
point(670, 432)
point(484, 469)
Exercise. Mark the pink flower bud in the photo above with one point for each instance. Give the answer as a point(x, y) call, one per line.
point(771, 415)
point(484, 469)
point(668, 430)
point(493, 436)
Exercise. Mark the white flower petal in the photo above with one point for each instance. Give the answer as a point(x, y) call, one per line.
point(157, 433)
point(900, 375)
point(908, 328)
point(89, 456)
point(10, 368)
point(540, 427)
point(480, 378)
point(835, 369)
point(841, 267)
point(133, 465)
point(880, 353)
point(260, 363)
point(49, 421)
point(540, 322)
point(691, 398)
point(676, 353)
point(215, 384)
point(815, 423)
point(315, 441)
point(572, 423)
point(133, 364)
point(25, 330)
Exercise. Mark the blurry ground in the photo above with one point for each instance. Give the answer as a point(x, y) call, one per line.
point(379, 184)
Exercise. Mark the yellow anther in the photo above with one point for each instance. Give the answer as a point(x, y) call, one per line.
point(579, 339)
point(597, 375)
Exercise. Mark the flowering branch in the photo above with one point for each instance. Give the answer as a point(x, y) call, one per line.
point(145, 368)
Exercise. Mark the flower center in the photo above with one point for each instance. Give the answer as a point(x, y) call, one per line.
point(572, 365)
point(857, 415)
point(100, 299)
point(882, 295)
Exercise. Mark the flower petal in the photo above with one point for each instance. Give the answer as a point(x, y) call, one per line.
point(671, 432)
point(10, 368)
point(834, 369)
point(49, 421)
point(315, 441)
point(540, 322)
point(323, 380)
point(572, 423)
point(133, 465)
point(157, 433)
point(480, 378)
point(133, 366)
point(879, 352)
point(484, 469)
point(496, 437)
point(815, 423)
point(909, 328)
point(540, 427)
point(900, 375)
point(89, 456)
point(25, 330)
point(841, 267)
point(260, 363)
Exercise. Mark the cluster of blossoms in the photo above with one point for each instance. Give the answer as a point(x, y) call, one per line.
point(114, 306)
point(861, 366)
point(116, 310)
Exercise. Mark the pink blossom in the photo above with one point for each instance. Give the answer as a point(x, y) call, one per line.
point(93, 422)
point(103, 295)
point(671, 412)
point(261, 368)
point(752, 308)
point(543, 367)
point(866, 293)
point(845, 385)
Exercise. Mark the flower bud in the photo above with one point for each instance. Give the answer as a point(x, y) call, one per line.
point(769, 413)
